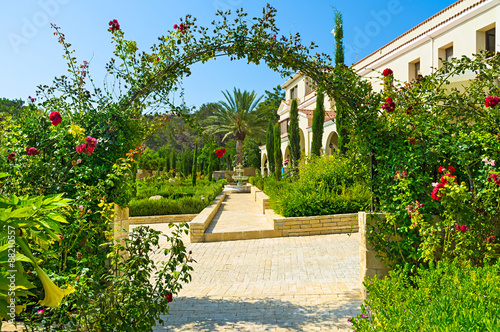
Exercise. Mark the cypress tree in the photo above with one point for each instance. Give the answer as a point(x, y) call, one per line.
point(277, 151)
point(195, 161)
point(210, 162)
point(167, 163)
point(174, 159)
point(341, 116)
point(185, 163)
point(270, 146)
point(294, 134)
point(317, 123)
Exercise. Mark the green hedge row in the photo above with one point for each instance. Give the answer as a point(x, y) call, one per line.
point(177, 199)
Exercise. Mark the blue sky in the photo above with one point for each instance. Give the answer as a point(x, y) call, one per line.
point(30, 54)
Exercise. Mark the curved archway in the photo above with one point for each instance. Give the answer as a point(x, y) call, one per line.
point(302, 142)
point(332, 143)
point(286, 155)
point(159, 73)
point(264, 167)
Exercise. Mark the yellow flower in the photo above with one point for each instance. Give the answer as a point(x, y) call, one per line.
point(76, 131)
point(53, 294)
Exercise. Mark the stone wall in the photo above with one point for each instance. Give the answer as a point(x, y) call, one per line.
point(175, 218)
point(120, 227)
point(315, 225)
point(370, 264)
point(200, 223)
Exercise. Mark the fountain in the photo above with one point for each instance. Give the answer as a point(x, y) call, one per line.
point(239, 187)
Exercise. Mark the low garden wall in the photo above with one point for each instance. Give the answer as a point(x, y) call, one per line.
point(200, 223)
point(314, 225)
point(261, 198)
point(175, 218)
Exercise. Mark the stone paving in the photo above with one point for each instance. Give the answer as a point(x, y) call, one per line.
point(308, 283)
point(238, 212)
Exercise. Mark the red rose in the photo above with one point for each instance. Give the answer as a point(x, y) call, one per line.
point(451, 169)
point(435, 191)
point(32, 151)
point(169, 297)
point(91, 142)
point(56, 118)
point(491, 101)
point(175, 26)
point(389, 105)
point(114, 25)
point(223, 150)
point(387, 72)
point(12, 157)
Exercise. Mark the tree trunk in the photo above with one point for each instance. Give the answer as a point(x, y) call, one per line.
point(239, 152)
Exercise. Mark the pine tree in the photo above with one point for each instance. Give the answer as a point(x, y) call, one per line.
point(294, 134)
point(317, 124)
point(195, 161)
point(277, 151)
point(270, 146)
point(341, 116)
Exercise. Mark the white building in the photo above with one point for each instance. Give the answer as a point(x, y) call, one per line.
point(298, 87)
point(463, 28)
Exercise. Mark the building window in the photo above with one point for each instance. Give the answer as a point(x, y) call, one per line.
point(416, 68)
point(490, 41)
point(449, 54)
point(293, 93)
point(284, 127)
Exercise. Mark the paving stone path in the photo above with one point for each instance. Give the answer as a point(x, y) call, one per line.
point(308, 283)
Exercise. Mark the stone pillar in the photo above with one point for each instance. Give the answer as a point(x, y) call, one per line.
point(370, 265)
point(120, 226)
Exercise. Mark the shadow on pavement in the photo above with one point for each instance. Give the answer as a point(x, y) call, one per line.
point(286, 313)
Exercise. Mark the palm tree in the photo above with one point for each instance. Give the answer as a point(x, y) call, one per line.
point(238, 116)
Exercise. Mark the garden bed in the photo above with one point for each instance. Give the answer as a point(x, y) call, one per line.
point(175, 198)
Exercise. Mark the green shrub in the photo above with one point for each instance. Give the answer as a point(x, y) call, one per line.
point(449, 297)
point(326, 185)
point(257, 181)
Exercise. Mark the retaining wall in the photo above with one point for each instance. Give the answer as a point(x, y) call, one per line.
point(200, 223)
point(315, 225)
